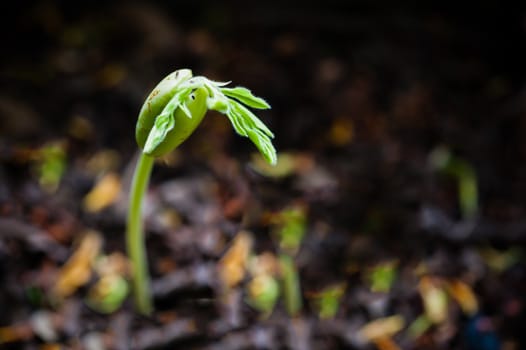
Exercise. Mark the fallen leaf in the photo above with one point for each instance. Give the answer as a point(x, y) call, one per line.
point(434, 298)
point(78, 269)
point(386, 343)
point(382, 328)
point(233, 265)
point(103, 194)
point(464, 296)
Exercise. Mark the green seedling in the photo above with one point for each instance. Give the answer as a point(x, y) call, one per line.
point(291, 227)
point(263, 293)
point(108, 294)
point(327, 301)
point(291, 284)
point(289, 230)
point(382, 276)
point(441, 159)
point(51, 165)
point(172, 111)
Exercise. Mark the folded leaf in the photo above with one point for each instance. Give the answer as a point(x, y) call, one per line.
point(163, 124)
point(246, 97)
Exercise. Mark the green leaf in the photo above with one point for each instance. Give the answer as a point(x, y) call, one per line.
point(162, 126)
point(250, 117)
point(264, 145)
point(245, 123)
point(245, 96)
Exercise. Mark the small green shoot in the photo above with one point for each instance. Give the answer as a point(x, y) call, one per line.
point(51, 160)
point(291, 285)
point(291, 225)
point(382, 276)
point(263, 293)
point(108, 294)
point(327, 301)
point(289, 229)
point(442, 160)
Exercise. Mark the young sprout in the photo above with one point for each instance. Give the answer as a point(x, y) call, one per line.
point(290, 226)
point(172, 111)
point(443, 160)
point(327, 301)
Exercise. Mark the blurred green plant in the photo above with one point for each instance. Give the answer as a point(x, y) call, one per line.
point(291, 284)
point(289, 226)
point(263, 293)
point(327, 301)
point(382, 276)
point(444, 161)
point(419, 326)
point(108, 294)
point(51, 164)
point(170, 114)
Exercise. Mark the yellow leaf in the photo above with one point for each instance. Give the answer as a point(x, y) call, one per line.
point(77, 270)
point(382, 328)
point(103, 194)
point(464, 296)
point(434, 298)
point(233, 265)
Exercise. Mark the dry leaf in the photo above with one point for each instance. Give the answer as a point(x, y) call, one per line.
point(464, 296)
point(386, 343)
point(382, 328)
point(78, 269)
point(434, 298)
point(103, 194)
point(233, 265)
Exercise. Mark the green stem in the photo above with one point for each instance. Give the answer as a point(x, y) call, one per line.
point(135, 236)
point(291, 284)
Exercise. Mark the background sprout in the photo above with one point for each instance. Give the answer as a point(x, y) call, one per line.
point(443, 160)
point(170, 114)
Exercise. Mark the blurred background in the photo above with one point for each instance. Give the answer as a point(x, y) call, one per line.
point(395, 217)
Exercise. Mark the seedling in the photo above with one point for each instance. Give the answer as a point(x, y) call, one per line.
point(442, 159)
point(290, 227)
point(172, 111)
point(327, 301)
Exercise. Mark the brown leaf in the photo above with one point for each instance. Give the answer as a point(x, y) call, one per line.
point(103, 194)
point(233, 265)
point(78, 269)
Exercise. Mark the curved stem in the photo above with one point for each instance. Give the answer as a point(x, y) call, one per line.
point(135, 237)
